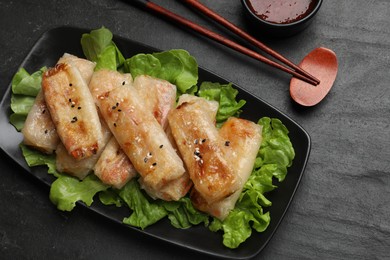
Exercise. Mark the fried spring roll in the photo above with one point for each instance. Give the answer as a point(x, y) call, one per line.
point(85, 66)
point(175, 189)
point(141, 137)
point(201, 148)
point(114, 167)
point(171, 191)
point(104, 80)
point(99, 82)
point(80, 168)
point(39, 130)
point(242, 141)
point(159, 96)
point(210, 108)
point(73, 110)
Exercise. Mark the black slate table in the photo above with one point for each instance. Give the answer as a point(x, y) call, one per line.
point(342, 207)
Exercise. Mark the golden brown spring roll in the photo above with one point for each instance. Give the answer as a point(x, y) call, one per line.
point(242, 139)
point(85, 66)
point(141, 137)
point(114, 167)
point(39, 130)
point(66, 163)
point(201, 148)
point(73, 110)
point(104, 80)
point(159, 96)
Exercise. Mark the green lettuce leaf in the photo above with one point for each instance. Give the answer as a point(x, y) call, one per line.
point(21, 104)
point(94, 43)
point(226, 95)
point(110, 197)
point(24, 89)
point(98, 47)
point(142, 64)
point(236, 227)
point(36, 158)
point(26, 84)
point(188, 77)
point(145, 213)
point(276, 147)
point(176, 66)
point(65, 191)
point(182, 213)
point(17, 121)
point(171, 66)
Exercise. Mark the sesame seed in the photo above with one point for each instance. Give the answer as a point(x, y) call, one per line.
point(161, 146)
point(227, 143)
point(148, 156)
point(198, 159)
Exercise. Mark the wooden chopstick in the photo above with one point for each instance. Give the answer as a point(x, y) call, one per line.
point(219, 38)
point(238, 31)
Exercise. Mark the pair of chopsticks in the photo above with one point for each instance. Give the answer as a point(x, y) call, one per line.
point(288, 66)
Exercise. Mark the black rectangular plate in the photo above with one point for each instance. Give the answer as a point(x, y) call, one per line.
point(54, 43)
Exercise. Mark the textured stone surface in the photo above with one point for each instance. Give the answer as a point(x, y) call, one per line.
point(342, 207)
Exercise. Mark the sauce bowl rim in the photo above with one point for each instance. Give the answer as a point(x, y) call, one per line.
point(302, 20)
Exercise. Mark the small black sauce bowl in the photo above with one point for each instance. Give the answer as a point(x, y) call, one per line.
point(278, 30)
